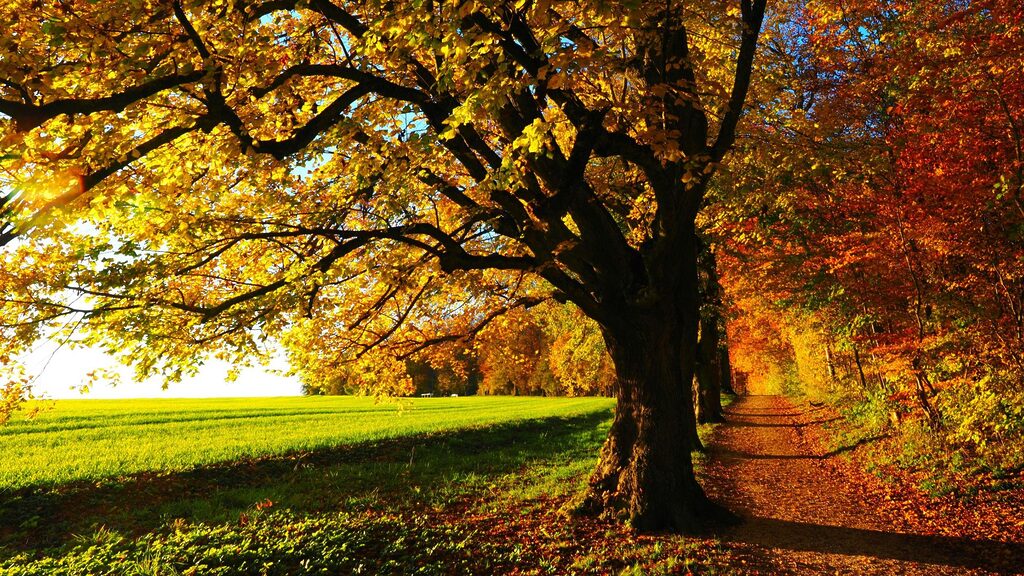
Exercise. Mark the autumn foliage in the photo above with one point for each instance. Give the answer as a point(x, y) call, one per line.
point(880, 261)
point(551, 349)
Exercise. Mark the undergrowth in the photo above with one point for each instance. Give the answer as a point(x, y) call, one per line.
point(960, 457)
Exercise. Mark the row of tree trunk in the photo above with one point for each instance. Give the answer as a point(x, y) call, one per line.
point(713, 374)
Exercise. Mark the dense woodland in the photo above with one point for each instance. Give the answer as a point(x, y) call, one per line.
point(820, 198)
point(871, 240)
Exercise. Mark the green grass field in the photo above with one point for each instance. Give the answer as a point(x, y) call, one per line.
point(91, 440)
point(473, 485)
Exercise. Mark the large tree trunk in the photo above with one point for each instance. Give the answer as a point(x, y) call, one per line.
point(645, 472)
point(650, 319)
point(645, 469)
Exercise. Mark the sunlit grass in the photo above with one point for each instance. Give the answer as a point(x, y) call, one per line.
point(93, 440)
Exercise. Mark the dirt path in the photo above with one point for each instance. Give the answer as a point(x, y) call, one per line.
point(805, 514)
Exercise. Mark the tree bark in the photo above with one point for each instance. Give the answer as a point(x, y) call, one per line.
point(645, 472)
point(830, 364)
point(709, 372)
point(860, 369)
point(925, 391)
point(725, 365)
point(708, 383)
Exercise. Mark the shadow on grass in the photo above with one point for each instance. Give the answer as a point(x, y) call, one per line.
point(404, 470)
point(991, 555)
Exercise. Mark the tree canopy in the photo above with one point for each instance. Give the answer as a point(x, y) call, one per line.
point(230, 170)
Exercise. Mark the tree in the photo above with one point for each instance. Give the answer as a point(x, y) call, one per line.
point(361, 181)
point(513, 357)
point(551, 349)
point(709, 378)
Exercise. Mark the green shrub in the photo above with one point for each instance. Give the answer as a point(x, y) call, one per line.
point(985, 421)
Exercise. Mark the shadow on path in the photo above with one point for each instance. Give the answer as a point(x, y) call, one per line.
point(770, 414)
point(796, 425)
point(739, 454)
point(994, 556)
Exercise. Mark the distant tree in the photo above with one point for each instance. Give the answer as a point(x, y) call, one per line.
point(551, 349)
point(577, 355)
point(709, 380)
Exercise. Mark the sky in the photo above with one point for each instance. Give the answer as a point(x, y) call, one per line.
point(61, 375)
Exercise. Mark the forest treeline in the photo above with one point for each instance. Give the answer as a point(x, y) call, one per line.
point(551, 349)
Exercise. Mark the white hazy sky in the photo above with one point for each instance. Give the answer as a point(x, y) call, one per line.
point(61, 375)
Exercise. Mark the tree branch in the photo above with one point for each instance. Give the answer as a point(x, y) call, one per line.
point(752, 14)
point(525, 302)
point(27, 116)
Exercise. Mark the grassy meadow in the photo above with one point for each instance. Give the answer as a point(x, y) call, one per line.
point(94, 440)
point(321, 485)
